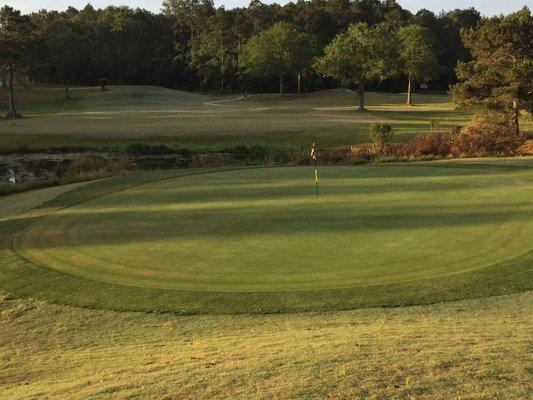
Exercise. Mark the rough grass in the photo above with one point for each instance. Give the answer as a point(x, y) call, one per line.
point(473, 349)
point(462, 216)
point(156, 115)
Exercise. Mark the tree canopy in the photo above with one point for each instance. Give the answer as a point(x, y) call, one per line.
point(417, 55)
point(214, 59)
point(279, 50)
point(67, 53)
point(15, 46)
point(192, 44)
point(499, 80)
point(359, 56)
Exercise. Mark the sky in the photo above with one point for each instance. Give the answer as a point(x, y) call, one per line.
point(486, 7)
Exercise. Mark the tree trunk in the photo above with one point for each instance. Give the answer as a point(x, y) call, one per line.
point(409, 92)
point(516, 115)
point(280, 83)
point(299, 83)
point(11, 96)
point(4, 83)
point(361, 94)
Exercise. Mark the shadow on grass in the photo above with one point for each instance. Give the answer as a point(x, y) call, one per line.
point(20, 278)
point(143, 227)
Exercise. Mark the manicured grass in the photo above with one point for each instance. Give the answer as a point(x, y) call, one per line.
point(157, 115)
point(472, 349)
point(256, 240)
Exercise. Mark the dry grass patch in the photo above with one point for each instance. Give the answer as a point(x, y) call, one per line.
point(474, 349)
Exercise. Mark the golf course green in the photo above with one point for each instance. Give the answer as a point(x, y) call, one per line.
point(381, 230)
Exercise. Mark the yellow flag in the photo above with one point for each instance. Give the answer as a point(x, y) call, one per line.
point(313, 152)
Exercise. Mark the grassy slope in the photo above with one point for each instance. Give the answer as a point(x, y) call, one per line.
point(25, 279)
point(127, 113)
point(473, 349)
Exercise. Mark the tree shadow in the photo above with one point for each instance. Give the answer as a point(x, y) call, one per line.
point(111, 228)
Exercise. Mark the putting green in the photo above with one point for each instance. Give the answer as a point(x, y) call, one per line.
point(256, 230)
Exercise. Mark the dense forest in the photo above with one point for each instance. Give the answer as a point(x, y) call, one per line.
point(193, 45)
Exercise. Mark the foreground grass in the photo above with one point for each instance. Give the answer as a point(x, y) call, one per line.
point(472, 349)
point(156, 115)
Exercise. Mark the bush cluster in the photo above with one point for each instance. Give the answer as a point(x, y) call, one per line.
point(381, 135)
point(93, 166)
point(477, 139)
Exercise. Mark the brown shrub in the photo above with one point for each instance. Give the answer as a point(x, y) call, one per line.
point(431, 144)
point(84, 164)
point(480, 138)
point(365, 152)
point(526, 149)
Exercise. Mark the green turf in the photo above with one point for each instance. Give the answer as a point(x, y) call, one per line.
point(257, 240)
point(157, 115)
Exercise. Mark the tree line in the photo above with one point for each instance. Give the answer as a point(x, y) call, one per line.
point(192, 45)
point(301, 46)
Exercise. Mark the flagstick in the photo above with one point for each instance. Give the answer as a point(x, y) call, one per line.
point(316, 177)
point(314, 157)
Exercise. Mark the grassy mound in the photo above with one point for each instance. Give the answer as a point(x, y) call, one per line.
point(257, 240)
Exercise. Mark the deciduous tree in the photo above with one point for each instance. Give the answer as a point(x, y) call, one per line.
point(214, 58)
point(417, 56)
point(279, 50)
point(358, 56)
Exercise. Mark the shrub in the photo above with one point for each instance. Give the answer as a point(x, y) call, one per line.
point(364, 152)
point(381, 134)
point(84, 164)
point(480, 138)
point(103, 82)
point(431, 144)
point(526, 149)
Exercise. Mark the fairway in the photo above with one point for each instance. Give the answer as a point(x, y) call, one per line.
point(262, 229)
point(150, 114)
